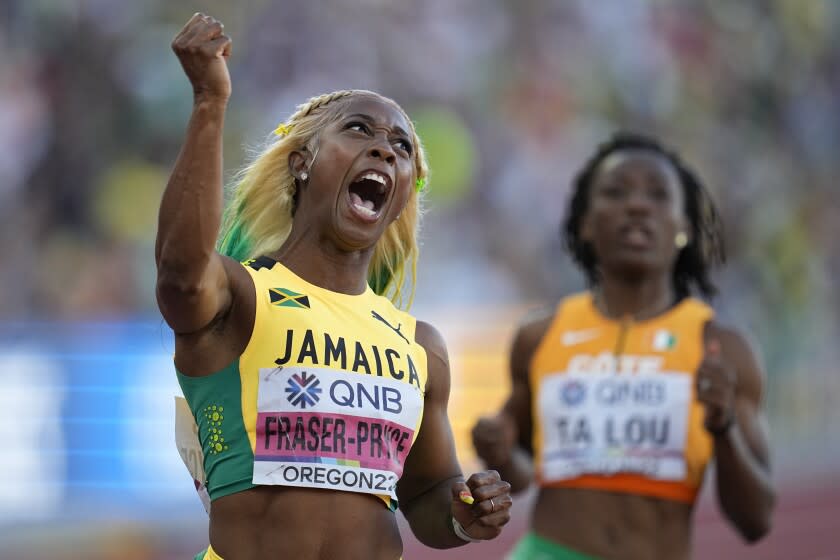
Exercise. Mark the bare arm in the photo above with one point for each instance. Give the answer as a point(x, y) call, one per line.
point(504, 441)
point(736, 421)
point(192, 283)
point(432, 481)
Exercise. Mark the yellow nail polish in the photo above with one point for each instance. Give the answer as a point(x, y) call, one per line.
point(466, 497)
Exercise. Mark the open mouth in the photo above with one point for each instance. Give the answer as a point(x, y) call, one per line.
point(368, 193)
point(636, 234)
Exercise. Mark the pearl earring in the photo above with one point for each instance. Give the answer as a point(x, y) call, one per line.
point(681, 240)
point(304, 176)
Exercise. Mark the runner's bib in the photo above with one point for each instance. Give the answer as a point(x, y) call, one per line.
point(326, 428)
point(189, 448)
point(600, 423)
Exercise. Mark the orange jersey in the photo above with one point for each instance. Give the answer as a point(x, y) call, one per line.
point(614, 405)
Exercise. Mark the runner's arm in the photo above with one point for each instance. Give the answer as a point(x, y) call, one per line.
point(744, 487)
point(192, 279)
point(504, 441)
point(432, 474)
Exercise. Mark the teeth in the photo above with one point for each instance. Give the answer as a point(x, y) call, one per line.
point(376, 177)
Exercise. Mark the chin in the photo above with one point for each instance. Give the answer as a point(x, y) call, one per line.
point(355, 239)
point(635, 268)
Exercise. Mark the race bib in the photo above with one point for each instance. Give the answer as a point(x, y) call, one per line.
point(596, 423)
point(324, 428)
point(189, 448)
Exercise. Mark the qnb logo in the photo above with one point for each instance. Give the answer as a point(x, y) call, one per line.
point(363, 396)
point(573, 393)
point(303, 390)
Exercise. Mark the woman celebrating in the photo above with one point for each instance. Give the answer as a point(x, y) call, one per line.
point(308, 387)
point(623, 394)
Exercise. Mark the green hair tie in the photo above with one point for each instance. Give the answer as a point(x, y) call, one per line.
point(420, 184)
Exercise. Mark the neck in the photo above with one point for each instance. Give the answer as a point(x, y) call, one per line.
point(636, 298)
point(326, 266)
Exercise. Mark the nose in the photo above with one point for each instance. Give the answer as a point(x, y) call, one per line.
point(638, 203)
point(382, 150)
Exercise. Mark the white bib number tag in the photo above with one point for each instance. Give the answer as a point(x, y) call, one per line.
point(323, 428)
point(596, 423)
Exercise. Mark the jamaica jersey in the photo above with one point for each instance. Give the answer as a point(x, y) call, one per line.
point(614, 405)
point(327, 394)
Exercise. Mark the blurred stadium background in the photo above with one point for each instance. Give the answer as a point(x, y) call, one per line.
point(510, 98)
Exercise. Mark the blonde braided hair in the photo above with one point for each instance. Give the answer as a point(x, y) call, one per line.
point(258, 218)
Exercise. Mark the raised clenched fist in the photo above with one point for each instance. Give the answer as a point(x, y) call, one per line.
point(203, 48)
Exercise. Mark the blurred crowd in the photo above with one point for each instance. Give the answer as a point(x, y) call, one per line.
point(510, 97)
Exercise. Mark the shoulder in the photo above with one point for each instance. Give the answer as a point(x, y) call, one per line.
point(431, 340)
point(739, 349)
point(437, 360)
point(733, 341)
point(536, 322)
point(243, 286)
point(532, 329)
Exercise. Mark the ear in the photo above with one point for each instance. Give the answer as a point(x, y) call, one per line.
point(299, 162)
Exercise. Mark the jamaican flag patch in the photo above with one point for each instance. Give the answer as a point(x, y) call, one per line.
point(281, 297)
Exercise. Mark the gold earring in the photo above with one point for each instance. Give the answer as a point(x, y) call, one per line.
point(681, 240)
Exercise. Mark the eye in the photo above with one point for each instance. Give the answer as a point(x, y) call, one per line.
point(405, 146)
point(612, 191)
point(659, 193)
point(358, 126)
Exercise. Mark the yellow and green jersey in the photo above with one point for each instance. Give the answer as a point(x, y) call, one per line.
point(327, 394)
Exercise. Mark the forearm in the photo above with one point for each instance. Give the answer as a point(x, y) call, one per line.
point(429, 516)
point(743, 483)
point(191, 208)
point(518, 470)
